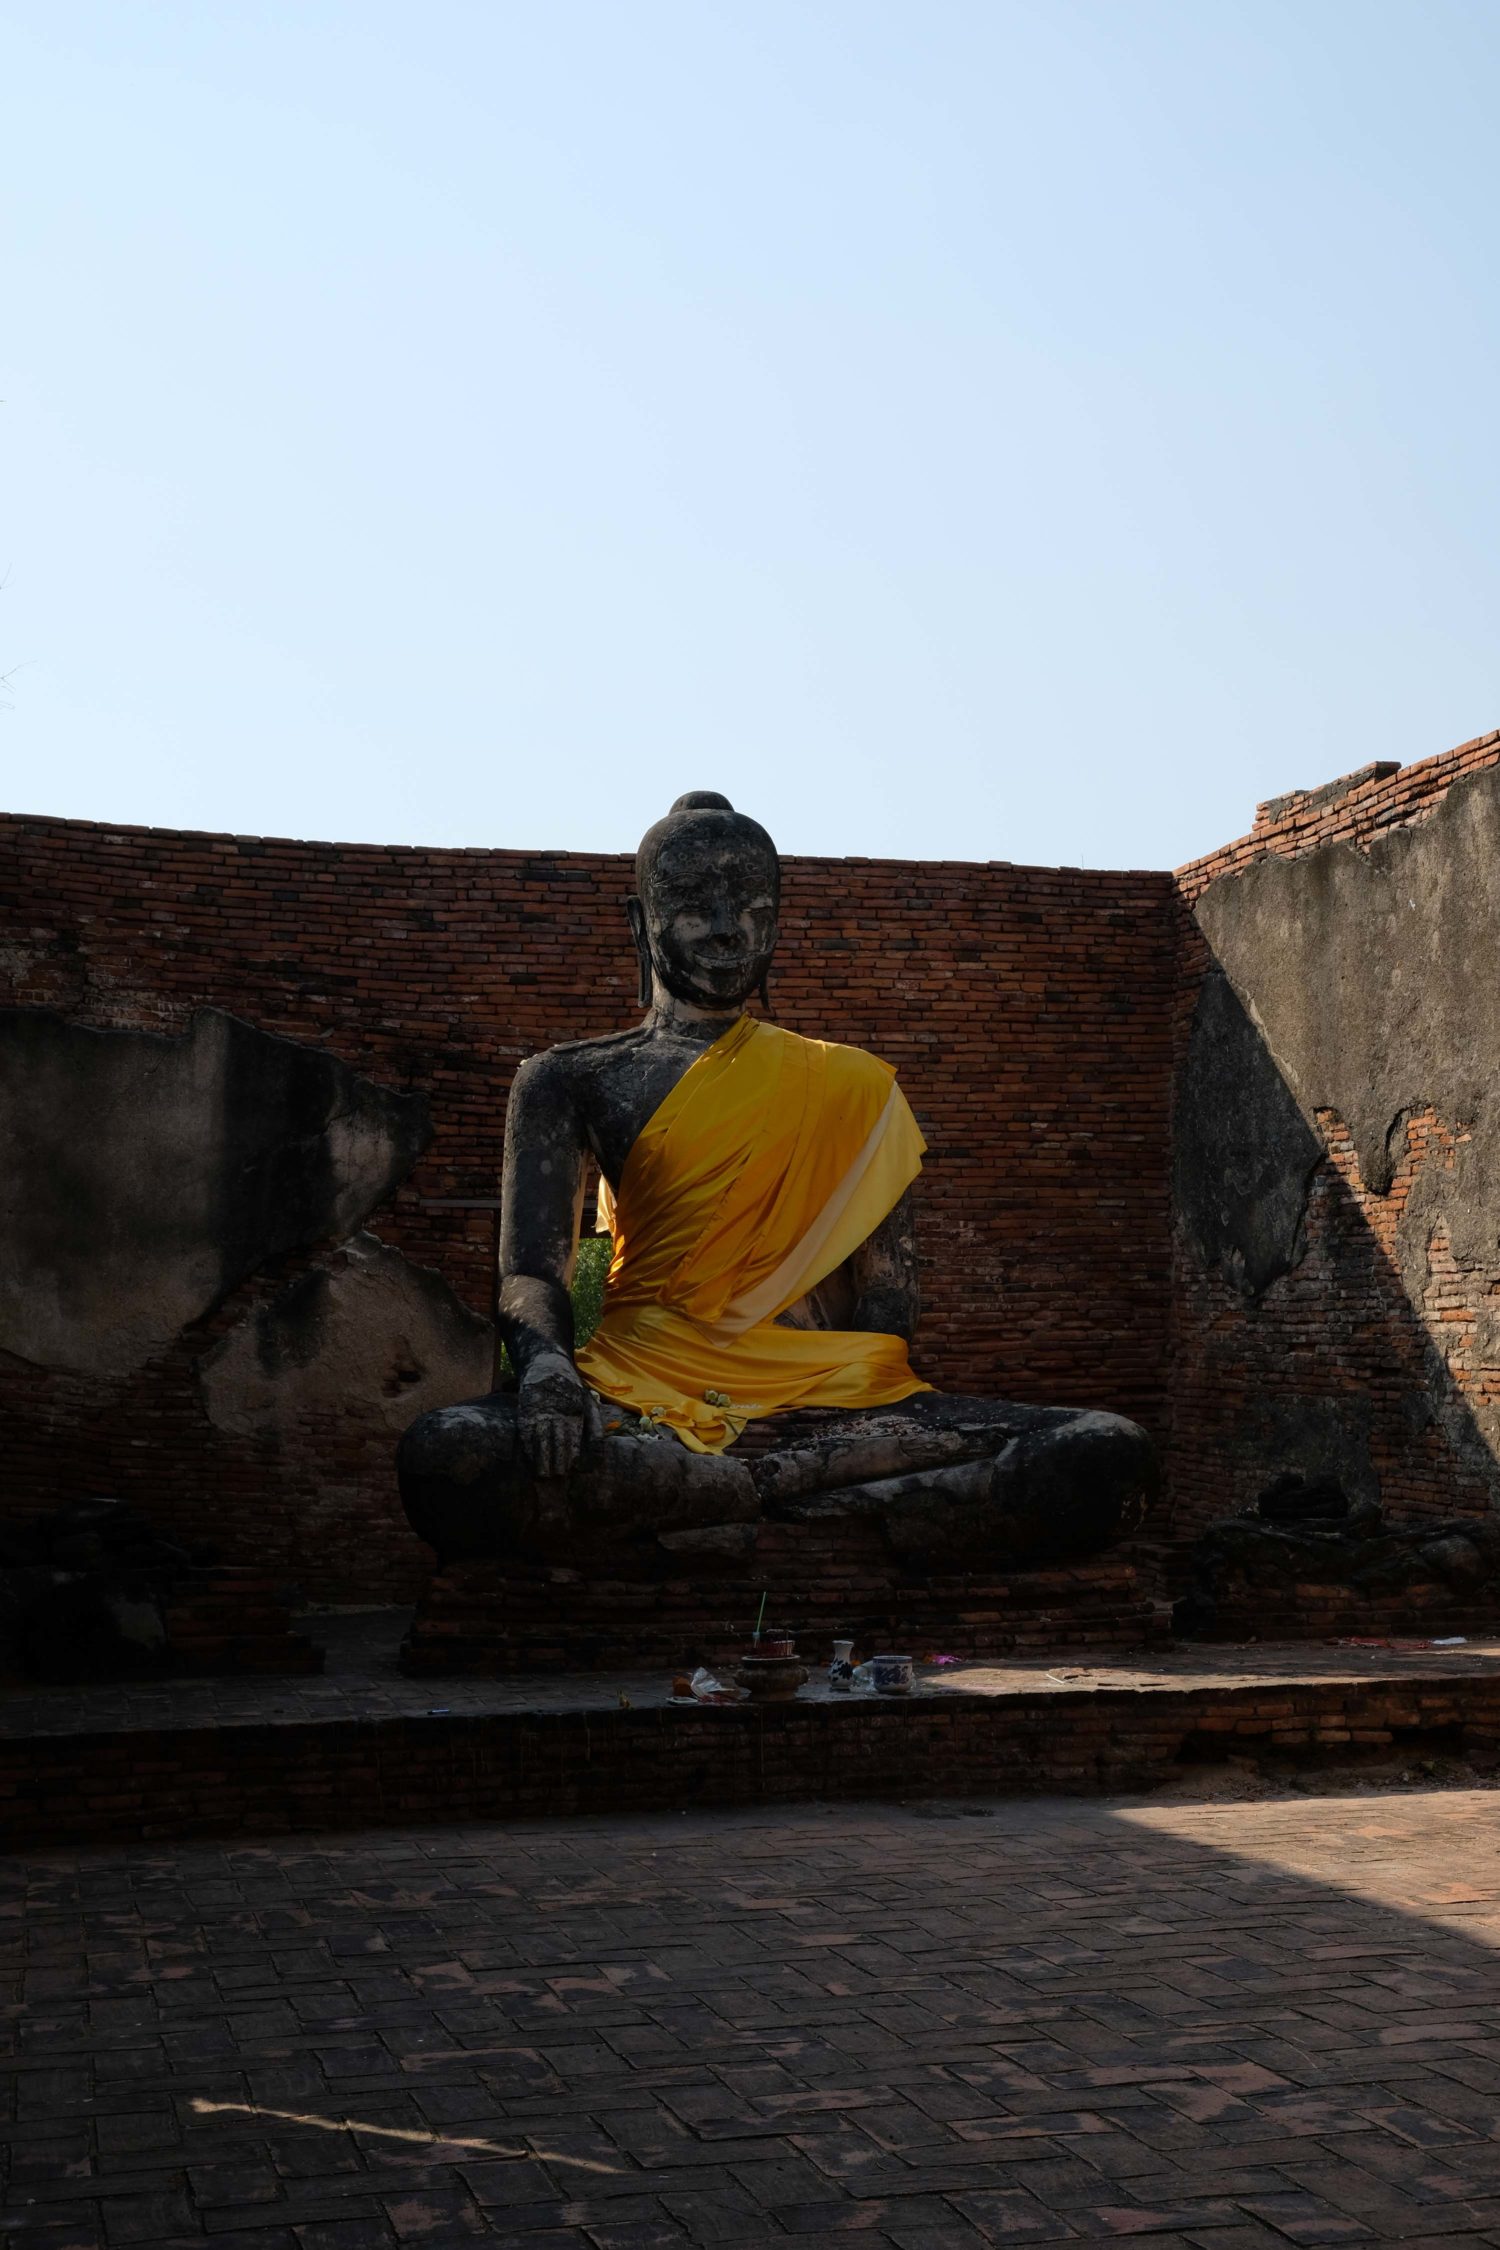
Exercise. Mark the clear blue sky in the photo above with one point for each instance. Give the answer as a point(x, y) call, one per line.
point(993, 429)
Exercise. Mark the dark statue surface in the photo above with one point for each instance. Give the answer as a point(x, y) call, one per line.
point(954, 1482)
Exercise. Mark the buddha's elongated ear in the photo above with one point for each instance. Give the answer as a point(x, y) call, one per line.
point(635, 914)
point(765, 993)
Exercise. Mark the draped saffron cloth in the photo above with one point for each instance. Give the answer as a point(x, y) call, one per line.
point(771, 1160)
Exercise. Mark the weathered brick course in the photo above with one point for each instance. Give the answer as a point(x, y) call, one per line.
point(268, 1778)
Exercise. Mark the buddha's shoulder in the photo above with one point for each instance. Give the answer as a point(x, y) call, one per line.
point(575, 1063)
point(848, 1063)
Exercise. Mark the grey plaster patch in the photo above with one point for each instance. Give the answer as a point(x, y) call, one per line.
point(1372, 978)
point(146, 1175)
point(367, 1334)
point(1243, 1154)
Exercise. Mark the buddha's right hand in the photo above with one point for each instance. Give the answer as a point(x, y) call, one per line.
point(555, 1413)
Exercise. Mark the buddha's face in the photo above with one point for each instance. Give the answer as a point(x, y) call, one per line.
point(708, 912)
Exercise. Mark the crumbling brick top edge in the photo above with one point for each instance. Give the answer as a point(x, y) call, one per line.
point(1300, 818)
point(1276, 809)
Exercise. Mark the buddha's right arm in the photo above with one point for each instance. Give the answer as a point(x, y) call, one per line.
point(541, 1201)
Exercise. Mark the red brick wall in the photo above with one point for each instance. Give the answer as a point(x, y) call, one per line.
point(1027, 1009)
point(1340, 1326)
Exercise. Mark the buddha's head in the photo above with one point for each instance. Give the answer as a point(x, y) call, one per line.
point(708, 884)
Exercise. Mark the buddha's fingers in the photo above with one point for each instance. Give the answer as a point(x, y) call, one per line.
point(559, 1443)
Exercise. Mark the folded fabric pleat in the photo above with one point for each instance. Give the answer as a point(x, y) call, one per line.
point(772, 1159)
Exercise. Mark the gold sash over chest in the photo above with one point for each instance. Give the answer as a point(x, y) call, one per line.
point(771, 1160)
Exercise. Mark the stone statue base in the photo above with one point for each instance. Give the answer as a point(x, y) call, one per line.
point(488, 1618)
point(951, 1525)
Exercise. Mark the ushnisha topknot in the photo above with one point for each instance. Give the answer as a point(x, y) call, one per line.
point(704, 808)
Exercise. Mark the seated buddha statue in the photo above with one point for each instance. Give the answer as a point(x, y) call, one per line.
point(751, 1359)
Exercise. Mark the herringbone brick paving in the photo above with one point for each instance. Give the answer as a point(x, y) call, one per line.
point(1222, 2026)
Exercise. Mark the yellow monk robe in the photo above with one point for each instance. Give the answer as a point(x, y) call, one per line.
point(771, 1160)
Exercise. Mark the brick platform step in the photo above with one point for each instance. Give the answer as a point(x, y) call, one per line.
point(488, 1620)
point(1319, 1612)
point(602, 1754)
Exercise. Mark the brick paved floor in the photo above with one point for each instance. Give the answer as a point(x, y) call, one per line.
point(1223, 2025)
